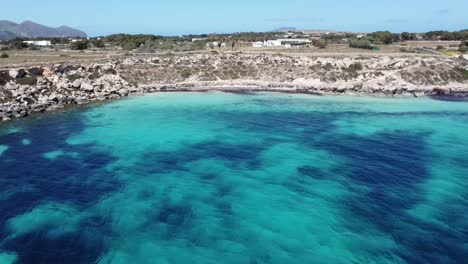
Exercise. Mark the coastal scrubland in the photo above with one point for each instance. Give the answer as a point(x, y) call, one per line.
point(36, 79)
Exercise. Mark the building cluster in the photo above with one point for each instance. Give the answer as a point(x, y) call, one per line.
point(45, 43)
point(287, 43)
point(41, 43)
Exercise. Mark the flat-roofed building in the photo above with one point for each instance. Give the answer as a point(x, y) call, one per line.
point(42, 43)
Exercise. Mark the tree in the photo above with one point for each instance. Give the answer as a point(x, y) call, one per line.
point(17, 43)
point(79, 45)
point(407, 36)
point(98, 43)
point(385, 37)
point(320, 43)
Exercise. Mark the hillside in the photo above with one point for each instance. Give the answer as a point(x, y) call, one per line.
point(29, 29)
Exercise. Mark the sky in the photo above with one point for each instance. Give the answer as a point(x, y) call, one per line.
point(178, 17)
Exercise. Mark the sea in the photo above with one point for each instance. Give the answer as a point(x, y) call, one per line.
point(216, 177)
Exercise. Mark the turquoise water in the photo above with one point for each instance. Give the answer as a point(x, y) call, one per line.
point(237, 178)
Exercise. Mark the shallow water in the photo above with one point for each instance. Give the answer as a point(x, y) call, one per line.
point(232, 178)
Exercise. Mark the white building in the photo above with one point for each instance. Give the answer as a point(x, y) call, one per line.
point(199, 39)
point(42, 43)
point(272, 43)
point(258, 44)
point(287, 43)
point(293, 42)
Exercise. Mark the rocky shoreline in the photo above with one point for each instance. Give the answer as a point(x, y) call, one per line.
point(24, 91)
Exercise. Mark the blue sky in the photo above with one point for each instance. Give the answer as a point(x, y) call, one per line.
point(175, 17)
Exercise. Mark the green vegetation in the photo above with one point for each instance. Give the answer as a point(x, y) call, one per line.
point(74, 77)
point(362, 44)
point(79, 45)
point(246, 36)
point(97, 43)
point(147, 43)
point(356, 67)
point(30, 80)
point(320, 43)
point(16, 43)
point(463, 47)
point(200, 44)
point(58, 41)
point(4, 77)
point(185, 73)
point(383, 37)
point(446, 35)
point(130, 42)
point(408, 36)
point(462, 73)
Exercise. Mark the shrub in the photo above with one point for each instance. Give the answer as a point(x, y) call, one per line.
point(440, 47)
point(328, 66)
point(74, 77)
point(462, 73)
point(16, 44)
point(356, 67)
point(463, 47)
point(320, 43)
point(4, 77)
point(4, 56)
point(186, 73)
point(384, 37)
point(407, 50)
point(362, 45)
point(79, 45)
point(31, 80)
point(98, 43)
point(199, 45)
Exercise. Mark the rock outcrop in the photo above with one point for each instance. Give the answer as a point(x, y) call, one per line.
point(44, 88)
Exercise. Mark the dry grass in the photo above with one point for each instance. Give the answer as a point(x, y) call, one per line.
point(451, 53)
point(30, 57)
point(430, 44)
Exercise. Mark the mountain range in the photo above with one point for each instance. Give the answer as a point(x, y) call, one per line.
point(29, 29)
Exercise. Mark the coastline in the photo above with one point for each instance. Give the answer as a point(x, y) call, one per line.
point(36, 89)
point(463, 97)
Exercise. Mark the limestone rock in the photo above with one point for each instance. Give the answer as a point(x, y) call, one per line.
point(87, 87)
point(123, 92)
point(77, 83)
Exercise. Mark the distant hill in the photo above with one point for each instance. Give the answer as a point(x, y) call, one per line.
point(6, 35)
point(284, 29)
point(29, 29)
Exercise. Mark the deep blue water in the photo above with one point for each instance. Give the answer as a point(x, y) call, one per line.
point(232, 178)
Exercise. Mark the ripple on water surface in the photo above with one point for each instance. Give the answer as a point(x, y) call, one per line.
point(237, 178)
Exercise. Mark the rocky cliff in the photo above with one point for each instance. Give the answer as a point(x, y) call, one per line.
point(44, 88)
